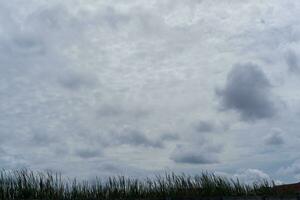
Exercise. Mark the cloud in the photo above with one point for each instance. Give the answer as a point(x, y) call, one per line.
point(194, 158)
point(11, 160)
point(136, 138)
point(122, 110)
point(77, 80)
point(73, 74)
point(275, 138)
point(204, 126)
point(88, 153)
point(292, 170)
point(169, 137)
point(248, 91)
point(207, 154)
point(26, 45)
point(22, 49)
point(43, 138)
point(292, 61)
point(250, 176)
point(114, 19)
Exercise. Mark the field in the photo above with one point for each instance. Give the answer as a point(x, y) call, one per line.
point(25, 184)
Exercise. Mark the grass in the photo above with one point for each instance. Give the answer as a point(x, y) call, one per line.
point(25, 184)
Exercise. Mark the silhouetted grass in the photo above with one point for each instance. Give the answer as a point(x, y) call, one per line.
point(25, 184)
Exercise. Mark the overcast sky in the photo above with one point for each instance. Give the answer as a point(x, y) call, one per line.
point(95, 88)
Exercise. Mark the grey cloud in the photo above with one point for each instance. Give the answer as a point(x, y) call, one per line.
point(137, 138)
point(292, 61)
point(114, 18)
point(88, 153)
point(204, 126)
point(111, 167)
point(76, 80)
point(293, 169)
point(109, 110)
point(21, 49)
point(27, 45)
point(276, 138)
point(11, 161)
point(42, 136)
point(248, 91)
point(41, 139)
point(79, 72)
point(202, 154)
point(54, 17)
point(169, 137)
point(194, 158)
point(2, 151)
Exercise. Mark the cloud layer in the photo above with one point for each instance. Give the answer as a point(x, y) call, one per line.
point(93, 88)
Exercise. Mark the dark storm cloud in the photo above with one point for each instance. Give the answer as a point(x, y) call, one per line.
point(292, 61)
point(137, 138)
point(247, 91)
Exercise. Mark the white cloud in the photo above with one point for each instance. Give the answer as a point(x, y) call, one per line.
point(252, 175)
point(293, 170)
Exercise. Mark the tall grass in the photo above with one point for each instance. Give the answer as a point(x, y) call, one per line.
point(25, 184)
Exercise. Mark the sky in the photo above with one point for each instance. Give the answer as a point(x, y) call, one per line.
point(140, 87)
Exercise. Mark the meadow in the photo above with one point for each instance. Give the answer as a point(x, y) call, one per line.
point(25, 184)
